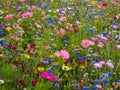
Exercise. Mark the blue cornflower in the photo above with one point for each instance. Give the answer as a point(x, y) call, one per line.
point(50, 71)
point(57, 85)
point(101, 13)
point(85, 88)
point(55, 66)
point(93, 62)
point(85, 14)
point(94, 88)
point(52, 60)
point(101, 77)
point(104, 34)
point(119, 81)
point(5, 52)
point(50, 20)
point(97, 60)
point(96, 81)
point(105, 81)
point(109, 73)
point(65, 41)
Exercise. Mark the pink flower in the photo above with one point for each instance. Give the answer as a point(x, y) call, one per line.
point(94, 38)
point(21, 0)
point(57, 54)
point(48, 76)
point(63, 18)
point(13, 37)
point(100, 44)
point(97, 65)
point(27, 14)
point(99, 87)
point(9, 16)
point(91, 43)
point(43, 13)
point(118, 46)
point(85, 43)
point(62, 32)
point(64, 54)
point(110, 65)
point(102, 62)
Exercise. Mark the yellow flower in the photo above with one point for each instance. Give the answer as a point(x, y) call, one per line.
point(27, 56)
point(54, 44)
point(17, 59)
point(55, 63)
point(40, 69)
point(2, 82)
point(82, 66)
point(93, 2)
point(66, 68)
point(1, 55)
point(51, 56)
point(8, 28)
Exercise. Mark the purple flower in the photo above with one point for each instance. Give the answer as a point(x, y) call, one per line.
point(97, 65)
point(110, 65)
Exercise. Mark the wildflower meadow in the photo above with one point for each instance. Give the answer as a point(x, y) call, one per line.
point(59, 44)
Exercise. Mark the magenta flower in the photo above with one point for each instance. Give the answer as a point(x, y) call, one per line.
point(21, 0)
point(9, 16)
point(34, 82)
point(48, 76)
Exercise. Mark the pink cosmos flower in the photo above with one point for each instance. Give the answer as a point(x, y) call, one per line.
point(43, 13)
point(91, 43)
point(118, 46)
point(21, 0)
point(100, 44)
point(85, 43)
point(63, 53)
point(13, 37)
point(9, 16)
point(63, 18)
point(27, 14)
point(61, 32)
point(94, 38)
